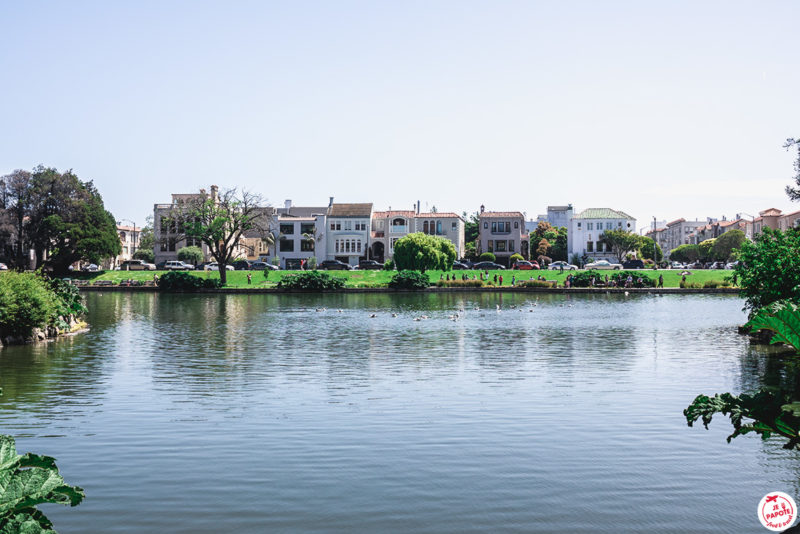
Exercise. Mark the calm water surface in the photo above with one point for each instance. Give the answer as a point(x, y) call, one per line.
point(238, 413)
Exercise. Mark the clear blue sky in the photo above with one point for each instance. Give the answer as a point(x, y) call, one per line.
point(672, 109)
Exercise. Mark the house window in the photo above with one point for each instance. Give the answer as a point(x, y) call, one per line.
point(306, 245)
point(516, 224)
point(453, 226)
point(394, 240)
point(590, 226)
point(609, 226)
point(361, 226)
point(287, 245)
point(358, 246)
point(306, 228)
point(287, 229)
point(579, 226)
point(511, 246)
point(619, 224)
point(491, 246)
point(348, 226)
point(589, 246)
point(439, 227)
point(494, 227)
point(485, 225)
point(629, 225)
point(336, 225)
point(425, 227)
point(500, 246)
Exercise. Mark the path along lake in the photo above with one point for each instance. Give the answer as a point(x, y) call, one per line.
point(257, 413)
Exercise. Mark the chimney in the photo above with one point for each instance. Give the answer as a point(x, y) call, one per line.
point(482, 208)
point(418, 207)
point(214, 190)
point(330, 203)
point(287, 204)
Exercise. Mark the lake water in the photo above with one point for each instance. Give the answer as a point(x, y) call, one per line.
point(237, 413)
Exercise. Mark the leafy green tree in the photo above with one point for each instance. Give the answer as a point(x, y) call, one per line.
point(651, 250)
point(622, 242)
point(68, 220)
point(769, 268)
point(193, 255)
point(220, 220)
point(470, 227)
point(470, 250)
point(515, 258)
point(794, 192)
point(685, 253)
point(420, 252)
point(147, 240)
point(543, 247)
point(705, 248)
point(488, 256)
point(726, 244)
point(145, 254)
point(558, 250)
point(15, 189)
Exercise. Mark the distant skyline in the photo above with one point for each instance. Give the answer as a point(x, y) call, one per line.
point(671, 110)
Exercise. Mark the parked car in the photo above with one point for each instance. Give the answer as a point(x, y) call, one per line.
point(459, 266)
point(136, 265)
point(731, 265)
point(487, 266)
point(676, 265)
point(259, 266)
point(242, 265)
point(176, 265)
point(523, 265)
point(334, 265)
point(3, 267)
point(557, 265)
point(466, 262)
point(718, 265)
point(90, 268)
point(214, 266)
point(633, 264)
point(370, 265)
point(695, 265)
point(603, 265)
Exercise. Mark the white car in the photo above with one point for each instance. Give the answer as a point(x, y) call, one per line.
point(3, 267)
point(178, 266)
point(603, 264)
point(557, 265)
point(214, 266)
point(677, 265)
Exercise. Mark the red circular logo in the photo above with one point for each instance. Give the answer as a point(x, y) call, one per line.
point(777, 511)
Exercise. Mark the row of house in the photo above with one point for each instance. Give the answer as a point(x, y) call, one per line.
point(353, 232)
point(682, 232)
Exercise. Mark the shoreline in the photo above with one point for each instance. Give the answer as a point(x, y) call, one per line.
point(509, 289)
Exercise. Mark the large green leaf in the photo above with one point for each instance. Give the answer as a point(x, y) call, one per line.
point(784, 322)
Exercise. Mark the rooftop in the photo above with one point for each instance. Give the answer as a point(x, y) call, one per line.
point(350, 210)
point(393, 213)
point(602, 213)
point(448, 214)
point(494, 214)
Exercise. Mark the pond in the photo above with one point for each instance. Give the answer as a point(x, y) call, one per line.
point(303, 413)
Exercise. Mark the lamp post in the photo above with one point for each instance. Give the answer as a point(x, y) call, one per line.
point(133, 238)
point(655, 258)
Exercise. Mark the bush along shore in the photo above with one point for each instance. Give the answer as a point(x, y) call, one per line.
point(35, 308)
point(382, 279)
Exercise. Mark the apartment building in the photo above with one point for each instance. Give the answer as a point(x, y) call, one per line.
point(167, 232)
point(389, 226)
point(678, 233)
point(347, 233)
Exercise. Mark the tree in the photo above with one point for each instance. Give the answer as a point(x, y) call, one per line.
point(705, 248)
point(220, 220)
point(488, 256)
point(420, 252)
point(515, 258)
point(685, 253)
point(193, 255)
point(144, 254)
point(470, 250)
point(650, 248)
point(769, 268)
point(16, 200)
point(558, 249)
point(622, 242)
point(794, 192)
point(543, 248)
point(726, 244)
point(147, 239)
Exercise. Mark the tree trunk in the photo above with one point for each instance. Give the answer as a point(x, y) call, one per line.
point(223, 273)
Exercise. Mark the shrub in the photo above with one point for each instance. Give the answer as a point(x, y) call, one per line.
point(409, 280)
point(487, 256)
point(769, 268)
point(711, 284)
point(537, 283)
point(690, 285)
point(582, 279)
point(311, 263)
point(514, 259)
point(311, 281)
point(621, 277)
point(26, 302)
point(183, 281)
point(460, 283)
point(70, 301)
point(389, 265)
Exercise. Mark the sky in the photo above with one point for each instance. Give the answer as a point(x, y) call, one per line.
point(665, 109)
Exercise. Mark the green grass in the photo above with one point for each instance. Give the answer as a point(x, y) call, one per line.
point(355, 279)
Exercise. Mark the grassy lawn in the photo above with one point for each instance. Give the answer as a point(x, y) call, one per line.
point(238, 279)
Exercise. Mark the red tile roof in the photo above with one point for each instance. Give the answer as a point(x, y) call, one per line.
point(448, 214)
point(676, 221)
point(771, 212)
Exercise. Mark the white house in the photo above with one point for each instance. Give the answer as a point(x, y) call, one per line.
point(347, 233)
point(586, 232)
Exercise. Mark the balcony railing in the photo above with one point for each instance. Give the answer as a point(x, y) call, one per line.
point(398, 229)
